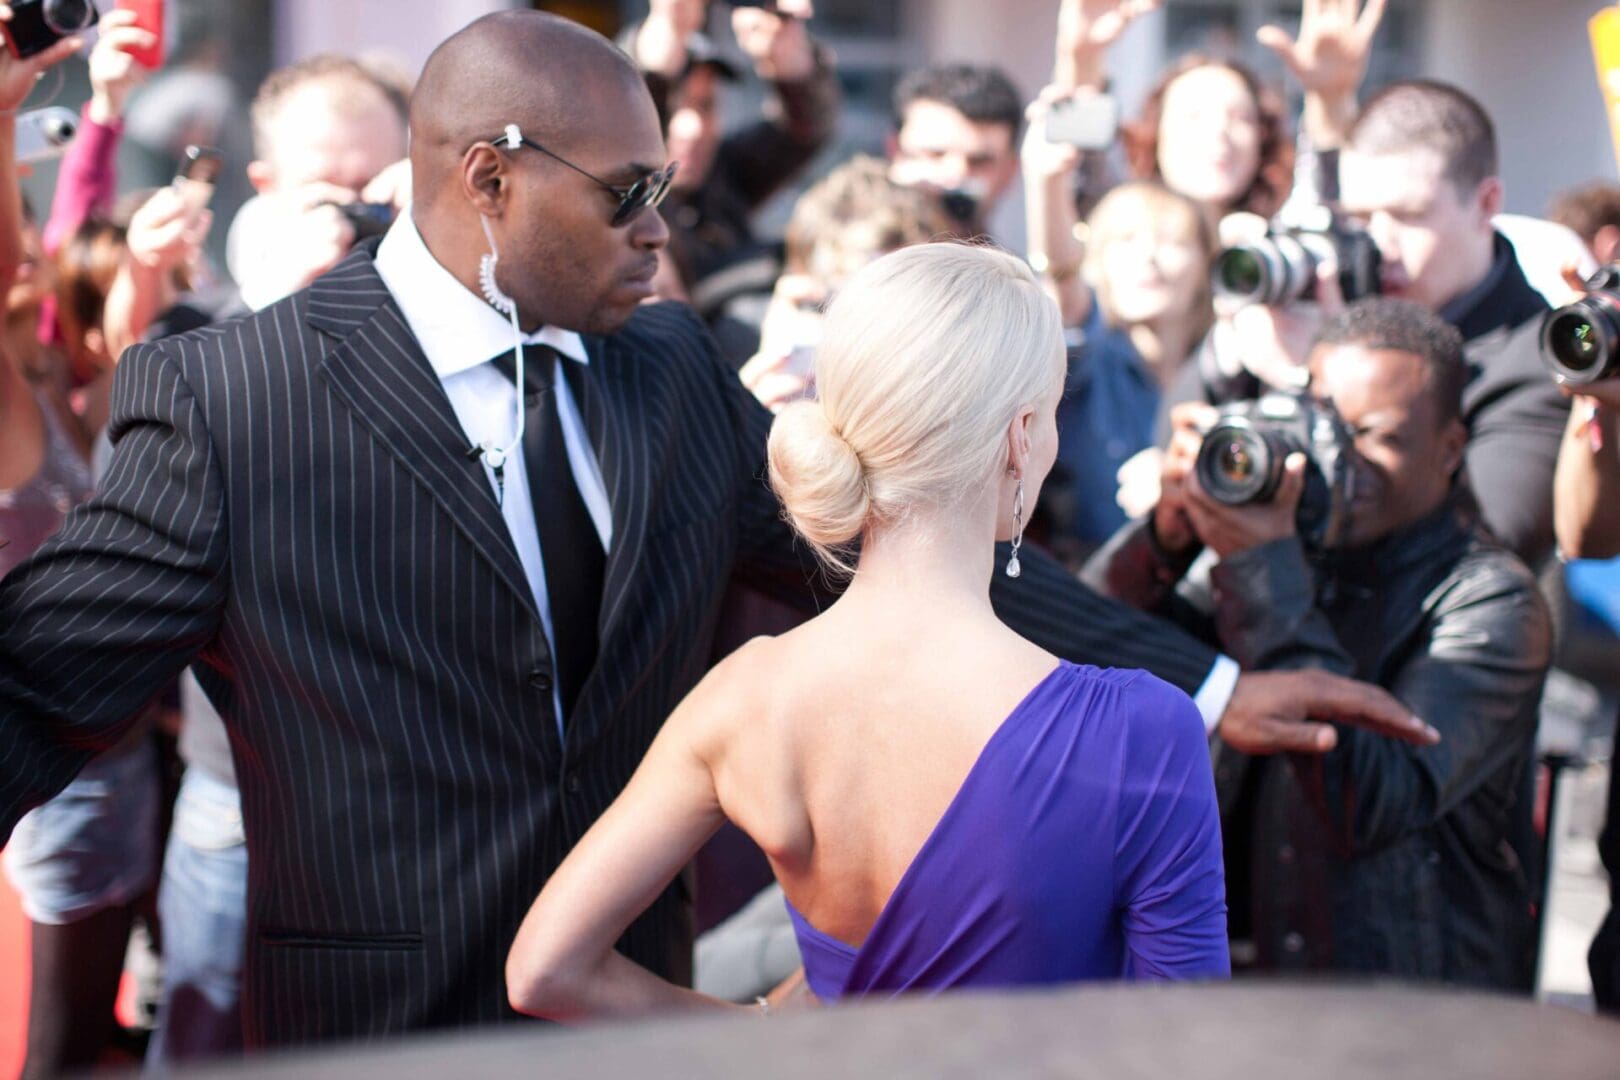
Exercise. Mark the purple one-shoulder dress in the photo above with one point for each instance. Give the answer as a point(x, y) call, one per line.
point(1083, 844)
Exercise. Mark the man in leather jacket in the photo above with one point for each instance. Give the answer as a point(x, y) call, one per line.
point(1376, 857)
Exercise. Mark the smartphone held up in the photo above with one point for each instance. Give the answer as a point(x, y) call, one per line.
point(148, 17)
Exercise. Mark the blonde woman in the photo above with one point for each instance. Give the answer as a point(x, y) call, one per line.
point(944, 803)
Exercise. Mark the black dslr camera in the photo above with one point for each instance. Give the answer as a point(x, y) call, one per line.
point(1281, 267)
point(1241, 461)
point(367, 219)
point(1581, 342)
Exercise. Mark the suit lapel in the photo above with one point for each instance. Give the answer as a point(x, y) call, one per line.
point(380, 372)
point(612, 412)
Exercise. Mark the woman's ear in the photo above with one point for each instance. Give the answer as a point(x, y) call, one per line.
point(1020, 434)
point(483, 179)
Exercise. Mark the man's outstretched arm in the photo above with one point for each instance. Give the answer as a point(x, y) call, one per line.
point(110, 610)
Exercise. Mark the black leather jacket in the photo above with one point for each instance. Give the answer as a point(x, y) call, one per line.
point(1379, 857)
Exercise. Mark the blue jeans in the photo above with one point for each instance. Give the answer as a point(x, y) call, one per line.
point(203, 904)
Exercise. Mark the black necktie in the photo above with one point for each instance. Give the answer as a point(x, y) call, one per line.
point(570, 546)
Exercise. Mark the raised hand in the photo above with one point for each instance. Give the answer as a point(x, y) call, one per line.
point(660, 45)
point(1086, 29)
point(1329, 58)
point(113, 70)
point(776, 39)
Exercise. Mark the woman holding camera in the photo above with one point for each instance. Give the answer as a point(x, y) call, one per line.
point(944, 804)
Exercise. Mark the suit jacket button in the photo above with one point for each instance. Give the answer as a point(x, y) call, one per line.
point(540, 680)
point(573, 784)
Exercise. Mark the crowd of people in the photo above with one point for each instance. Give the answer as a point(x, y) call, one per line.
point(389, 625)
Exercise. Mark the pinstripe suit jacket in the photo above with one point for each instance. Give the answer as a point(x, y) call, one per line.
point(290, 504)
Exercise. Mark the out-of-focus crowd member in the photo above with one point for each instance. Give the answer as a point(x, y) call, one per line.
point(1211, 131)
point(1135, 296)
point(956, 133)
point(1593, 212)
point(855, 215)
point(1375, 858)
point(325, 132)
point(726, 271)
point(80, 909)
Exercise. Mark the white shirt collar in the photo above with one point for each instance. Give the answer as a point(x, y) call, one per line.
point(456, 328)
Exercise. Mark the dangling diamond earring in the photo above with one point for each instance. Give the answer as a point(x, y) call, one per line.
point(486, 274)
point(1013, 566)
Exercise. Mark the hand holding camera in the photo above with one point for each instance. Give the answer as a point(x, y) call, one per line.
point(169, 230)
point(1256, 471)
point(115, 70)
point(39, 35)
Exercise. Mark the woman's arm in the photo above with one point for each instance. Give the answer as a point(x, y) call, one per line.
point(563, 965)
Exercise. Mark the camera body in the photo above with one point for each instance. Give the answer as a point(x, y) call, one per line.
point(1088, 123)
point(367, 219)
point(43, 134)
point(36, 25)
point(1580, 342)
point(1241, 460)
point(1281, 267)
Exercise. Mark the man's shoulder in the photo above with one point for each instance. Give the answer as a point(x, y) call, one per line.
point(1491, 596)
point(666, 327)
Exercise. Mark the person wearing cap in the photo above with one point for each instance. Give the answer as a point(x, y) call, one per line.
point(725, 271)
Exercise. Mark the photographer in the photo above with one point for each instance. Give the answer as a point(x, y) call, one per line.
point(325, 131)
point(1419, 171)
point(1376, 857)
point(956, 130)
point(722, 181)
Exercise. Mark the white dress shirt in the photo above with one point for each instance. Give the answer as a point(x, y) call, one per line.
point(461, 336)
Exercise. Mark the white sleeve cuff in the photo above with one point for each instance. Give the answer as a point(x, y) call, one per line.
point(1213, 696)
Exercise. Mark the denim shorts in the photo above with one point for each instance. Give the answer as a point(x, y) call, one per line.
point(93, 846)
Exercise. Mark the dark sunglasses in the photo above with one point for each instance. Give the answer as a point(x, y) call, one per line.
point(646, 192)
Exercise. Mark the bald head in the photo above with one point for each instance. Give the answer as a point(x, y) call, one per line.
point(549, 207)
point(555, 79)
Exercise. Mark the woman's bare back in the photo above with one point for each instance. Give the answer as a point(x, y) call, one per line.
point(857, 738)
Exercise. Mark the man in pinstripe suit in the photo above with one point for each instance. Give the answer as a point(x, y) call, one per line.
point(292, 504)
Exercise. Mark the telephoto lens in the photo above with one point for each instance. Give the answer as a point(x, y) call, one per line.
point(1581, 342)
point(1280, 268)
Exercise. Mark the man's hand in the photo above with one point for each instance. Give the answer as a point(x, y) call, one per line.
point(1172, 525)
point(660, 45)
point(303, 234)
point(1228, 530)
point(776, 40)
point(113, 70)
point(166, 232)
point(17, 77)
point(1292, 712)
point(1329, 59)
point(1086, 29)
point(391, 187)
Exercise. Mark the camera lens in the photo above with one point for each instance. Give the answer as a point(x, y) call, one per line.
point(67, 16)
point(1578, 342)
point(1237, 464)
point(1240, 273)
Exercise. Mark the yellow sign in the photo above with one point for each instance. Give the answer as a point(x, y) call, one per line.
point(1605, 28)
